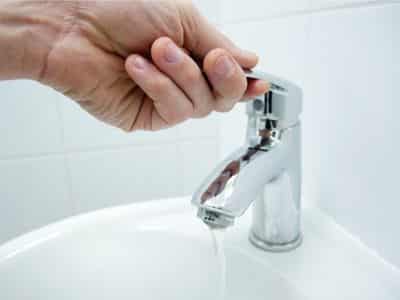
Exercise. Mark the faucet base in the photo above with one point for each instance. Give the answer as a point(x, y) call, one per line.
point(272, 247)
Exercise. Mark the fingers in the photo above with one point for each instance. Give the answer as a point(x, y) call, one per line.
point(207, 38)
point(255, 88)
point(177, 89)
point(183, 70)
point(226, 77)
point(210, 38)
point(170, 103)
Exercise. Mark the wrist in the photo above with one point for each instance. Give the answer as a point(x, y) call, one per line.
point(28, 31)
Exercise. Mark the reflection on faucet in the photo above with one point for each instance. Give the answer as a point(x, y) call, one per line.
point(219, 183)
point(233, 168)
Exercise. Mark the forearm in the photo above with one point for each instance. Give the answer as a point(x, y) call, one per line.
point(28, 30)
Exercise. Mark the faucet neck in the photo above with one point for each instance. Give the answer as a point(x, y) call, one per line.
point(266, 171)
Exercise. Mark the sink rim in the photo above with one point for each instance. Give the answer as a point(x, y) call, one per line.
point(138, 212)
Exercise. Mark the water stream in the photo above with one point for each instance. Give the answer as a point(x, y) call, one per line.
point(218, 244)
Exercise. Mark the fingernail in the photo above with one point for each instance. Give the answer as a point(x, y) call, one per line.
point(139, 63)
point(249, 53)
point(264, 85)
point(172, 54)
point(224, 67)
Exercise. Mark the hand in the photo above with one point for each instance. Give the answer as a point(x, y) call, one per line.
point(136, 65)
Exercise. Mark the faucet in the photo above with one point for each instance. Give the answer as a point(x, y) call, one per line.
point(265, 172)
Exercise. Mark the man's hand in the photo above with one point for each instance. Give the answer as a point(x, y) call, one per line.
point(136, 64)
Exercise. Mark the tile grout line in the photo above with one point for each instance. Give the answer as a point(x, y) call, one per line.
point(310, 11)
point(100, 149)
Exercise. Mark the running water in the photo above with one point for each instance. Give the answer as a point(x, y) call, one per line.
point(218, 243)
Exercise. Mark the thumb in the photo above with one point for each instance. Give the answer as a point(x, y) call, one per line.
point(205, 37)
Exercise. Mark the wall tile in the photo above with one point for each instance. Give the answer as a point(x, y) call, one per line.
point(107, 178)
point(29, 121)
point(199, 128)
point(232, 130)
point(354, 68)
point(33, 193)
point(282, 51)
point(233, 11)
point(210, 9)
point(82, 131)
point(199, 159)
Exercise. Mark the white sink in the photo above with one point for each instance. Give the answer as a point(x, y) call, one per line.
point(160, 250)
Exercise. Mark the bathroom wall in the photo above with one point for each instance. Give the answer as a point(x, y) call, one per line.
point(345, 56)
point(56, 160)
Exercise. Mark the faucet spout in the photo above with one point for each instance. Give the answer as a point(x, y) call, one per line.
point(237, 181)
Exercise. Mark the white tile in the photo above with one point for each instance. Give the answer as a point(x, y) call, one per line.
point(29, 121)
point(235, 10)
point(232, 131)
point(82, 131)
point(210, 9)
point(33, 193)
point(353, 88)
point(199, 128)
point(199, 159)
point(107, 178)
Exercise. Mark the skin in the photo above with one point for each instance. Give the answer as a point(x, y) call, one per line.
point(136, 65)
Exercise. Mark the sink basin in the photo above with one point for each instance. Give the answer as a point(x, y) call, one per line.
point(159, 250)
point(132, 252)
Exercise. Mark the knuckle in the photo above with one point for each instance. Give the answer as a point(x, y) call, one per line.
point(128, 125)
point(158, 85)
point(192, 75)
point(126, 129)
point(178, 116)
point(241, 87)
point(225, 106)
point(187, 113)
point(219, 51)
point(238, 90)
point(201, 113)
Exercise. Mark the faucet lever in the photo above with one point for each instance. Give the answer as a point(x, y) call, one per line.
point(282, 103)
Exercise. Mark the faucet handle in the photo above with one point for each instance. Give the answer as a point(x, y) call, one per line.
point(280, 107)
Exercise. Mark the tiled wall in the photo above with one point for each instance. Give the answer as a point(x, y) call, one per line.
point(345, 55)
point(56, 160)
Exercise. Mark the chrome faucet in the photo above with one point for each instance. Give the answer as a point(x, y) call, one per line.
point(265, 172)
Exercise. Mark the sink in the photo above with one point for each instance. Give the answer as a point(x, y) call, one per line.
point(160, 250)
point(134, 252)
